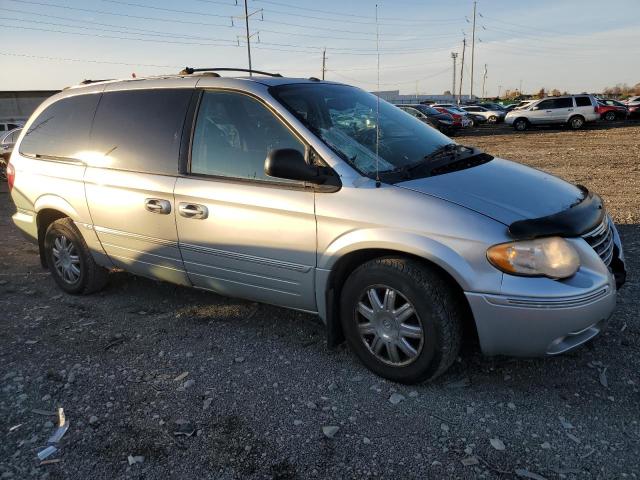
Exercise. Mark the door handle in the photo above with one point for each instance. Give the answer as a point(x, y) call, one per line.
point(193, 210)
point(157, 205)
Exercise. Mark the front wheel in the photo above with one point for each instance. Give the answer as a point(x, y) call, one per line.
point(610, 116)
point(70, 261)
point(401, 319)
point(492, 119)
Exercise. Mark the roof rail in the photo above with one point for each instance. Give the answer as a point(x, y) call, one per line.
point(190, 70)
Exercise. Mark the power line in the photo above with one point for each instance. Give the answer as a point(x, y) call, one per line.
point(60, 59)
point(87, 10)
point(342, 14)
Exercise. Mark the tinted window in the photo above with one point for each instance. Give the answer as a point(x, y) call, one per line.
point(62, 129)
point(564, 103)
point(583, 102)
point(546, 104)
point(140, 130)
point(234, 133)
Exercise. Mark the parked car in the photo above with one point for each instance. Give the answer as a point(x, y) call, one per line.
point(572, 110)
point(611, 110)
point(7, 141)
point(402, 241)
point(492, 106)
point(459, 120)
point(441, 121)
point(633, 100)
point(492, 116)
point(634, 110)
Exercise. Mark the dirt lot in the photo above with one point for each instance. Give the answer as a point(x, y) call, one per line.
point(261, 383)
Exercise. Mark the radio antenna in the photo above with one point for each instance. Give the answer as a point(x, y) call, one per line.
point(377, 102)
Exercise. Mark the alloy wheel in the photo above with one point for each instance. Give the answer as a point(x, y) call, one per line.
point(389, 325)
point(66, 260)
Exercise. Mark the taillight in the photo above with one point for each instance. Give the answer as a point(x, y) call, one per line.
point(11, 175)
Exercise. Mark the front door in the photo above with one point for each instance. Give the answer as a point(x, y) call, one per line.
point(240, 232)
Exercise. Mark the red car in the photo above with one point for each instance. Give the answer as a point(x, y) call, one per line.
point(459, 120)
point(611, 110)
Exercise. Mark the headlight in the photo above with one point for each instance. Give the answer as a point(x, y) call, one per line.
point(551, 257)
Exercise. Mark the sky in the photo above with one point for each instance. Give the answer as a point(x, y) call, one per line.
point(572, 45)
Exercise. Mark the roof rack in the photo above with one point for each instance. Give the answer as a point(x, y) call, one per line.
point(190, 70)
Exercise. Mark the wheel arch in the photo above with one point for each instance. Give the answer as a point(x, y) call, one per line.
point(50, 208)
point(448, 263)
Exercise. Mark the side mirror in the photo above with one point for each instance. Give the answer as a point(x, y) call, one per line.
point(290, 164)
point(535, 108)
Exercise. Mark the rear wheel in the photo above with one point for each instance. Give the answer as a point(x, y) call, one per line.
point(576, 122)
point(492, 119)
point(610, 116)
point(401, 319)
point(69, 260)
point(521, 124)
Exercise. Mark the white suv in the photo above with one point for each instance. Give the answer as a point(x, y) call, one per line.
point(571, 110)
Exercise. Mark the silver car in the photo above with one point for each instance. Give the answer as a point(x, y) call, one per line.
point(319, 197)
point(492, 116)
point(571, 110)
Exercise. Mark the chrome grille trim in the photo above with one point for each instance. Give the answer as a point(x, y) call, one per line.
point(601, 240)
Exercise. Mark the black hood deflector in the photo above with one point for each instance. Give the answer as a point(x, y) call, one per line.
point(581, 217)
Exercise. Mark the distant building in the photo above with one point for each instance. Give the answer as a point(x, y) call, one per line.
point(394, 96)
point(17, 106)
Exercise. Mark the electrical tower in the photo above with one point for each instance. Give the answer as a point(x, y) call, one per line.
point(248, 36)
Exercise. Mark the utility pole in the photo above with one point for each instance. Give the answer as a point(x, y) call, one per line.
point(484, 80)
point(499, 89)
point(464, 48)
point(454, 56)
point(473, 45)
point(248, 35)
point(324, 62)
point(246, 20)
point(520, 90)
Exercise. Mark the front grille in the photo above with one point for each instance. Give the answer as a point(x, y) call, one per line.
point(601, 240)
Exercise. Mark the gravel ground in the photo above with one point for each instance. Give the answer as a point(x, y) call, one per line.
point(191, 384)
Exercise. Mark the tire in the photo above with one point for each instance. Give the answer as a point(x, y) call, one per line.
point(576, 122)
point(431, 325)
point(610, 116)
point(520, 124)
point(472, 123)
point(69, 260)
point(492, 119)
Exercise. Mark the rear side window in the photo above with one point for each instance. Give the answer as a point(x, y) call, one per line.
point(583, 102)
point(62, 129)
point(140, 130)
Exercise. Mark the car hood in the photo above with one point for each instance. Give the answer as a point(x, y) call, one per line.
point(502, 190)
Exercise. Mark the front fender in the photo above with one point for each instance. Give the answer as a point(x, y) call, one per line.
point(471, 271)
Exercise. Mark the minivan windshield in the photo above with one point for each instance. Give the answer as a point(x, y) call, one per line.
point(345, 119)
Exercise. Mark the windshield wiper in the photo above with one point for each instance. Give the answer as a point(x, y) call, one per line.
point(449, 151)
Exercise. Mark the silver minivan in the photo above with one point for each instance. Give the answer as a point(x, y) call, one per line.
point(319, 197)
point(571, 110)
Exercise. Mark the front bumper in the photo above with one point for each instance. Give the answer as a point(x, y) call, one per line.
point(534, 326)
